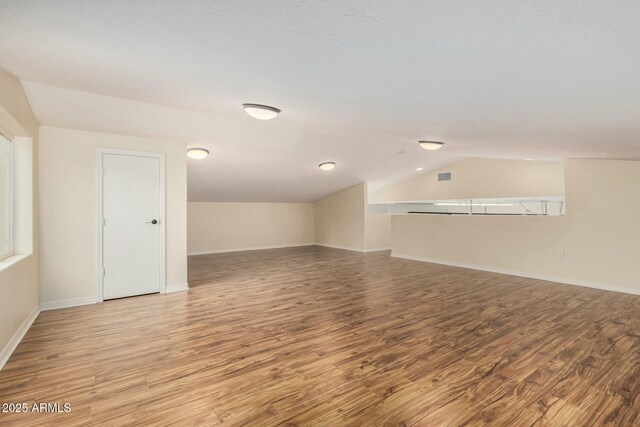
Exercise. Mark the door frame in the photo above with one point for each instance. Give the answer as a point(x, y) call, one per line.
point(99, 220)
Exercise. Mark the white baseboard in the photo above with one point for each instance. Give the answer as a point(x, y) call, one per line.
point(177, 287)
point(8, 349)
point(344, 248)
point(64, 303)
point(561, 280)
point(250, 248)
point(377, 249)
point(260, 248)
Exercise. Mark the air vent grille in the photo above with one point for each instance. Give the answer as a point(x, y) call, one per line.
point(444, 176)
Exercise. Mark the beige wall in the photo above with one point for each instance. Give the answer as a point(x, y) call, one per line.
point(19, 281)
point(340, 218)
point(479, 178)
point(222, 227)
point(69, 209)
point(600, 234)
point(603, 232)
point(377, 232)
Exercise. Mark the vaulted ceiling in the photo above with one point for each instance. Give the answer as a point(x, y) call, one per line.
point(359, 82)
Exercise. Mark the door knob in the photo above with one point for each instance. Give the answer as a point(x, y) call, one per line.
point(153, 221)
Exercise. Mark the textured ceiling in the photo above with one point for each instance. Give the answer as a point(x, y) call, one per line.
point(358, 83)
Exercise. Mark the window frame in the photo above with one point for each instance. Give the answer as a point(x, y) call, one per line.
point(11, 250)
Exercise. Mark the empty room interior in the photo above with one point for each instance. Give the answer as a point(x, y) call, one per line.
point(362, 213)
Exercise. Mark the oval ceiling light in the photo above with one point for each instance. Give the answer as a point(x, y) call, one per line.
point(431, 145)
point(327, 166)
point(197, 153)
point(418, 169)
point(261, 112)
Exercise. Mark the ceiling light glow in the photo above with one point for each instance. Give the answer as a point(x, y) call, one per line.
point(431, 145)
point(197, 153)
point(418, 169)
point(261, 112)
point(327, 166)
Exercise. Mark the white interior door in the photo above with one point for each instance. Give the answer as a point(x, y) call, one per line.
point(131, 229)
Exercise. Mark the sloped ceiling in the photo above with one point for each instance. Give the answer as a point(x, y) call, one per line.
point(359, 83)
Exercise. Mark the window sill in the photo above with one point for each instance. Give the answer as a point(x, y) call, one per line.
point(12, 260)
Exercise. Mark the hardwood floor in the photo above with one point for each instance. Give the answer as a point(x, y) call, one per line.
point(317, 336)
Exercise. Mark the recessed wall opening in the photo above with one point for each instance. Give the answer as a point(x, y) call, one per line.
point(537, 206)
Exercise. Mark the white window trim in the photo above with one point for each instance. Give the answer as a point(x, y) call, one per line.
point(22, 230)
point(12, 182)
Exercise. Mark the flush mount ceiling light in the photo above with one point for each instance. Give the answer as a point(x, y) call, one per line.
point(261, 112)
point(197, 153)
point(418, 169)
point(431, 145)
point(327, 166)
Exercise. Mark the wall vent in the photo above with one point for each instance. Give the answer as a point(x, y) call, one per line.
point(444, 176)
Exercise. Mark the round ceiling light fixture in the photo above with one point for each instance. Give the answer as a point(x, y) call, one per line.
point(261, 112)
point(418, 169)
point(327, 166)
point(431, 145)
point(197, 153)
